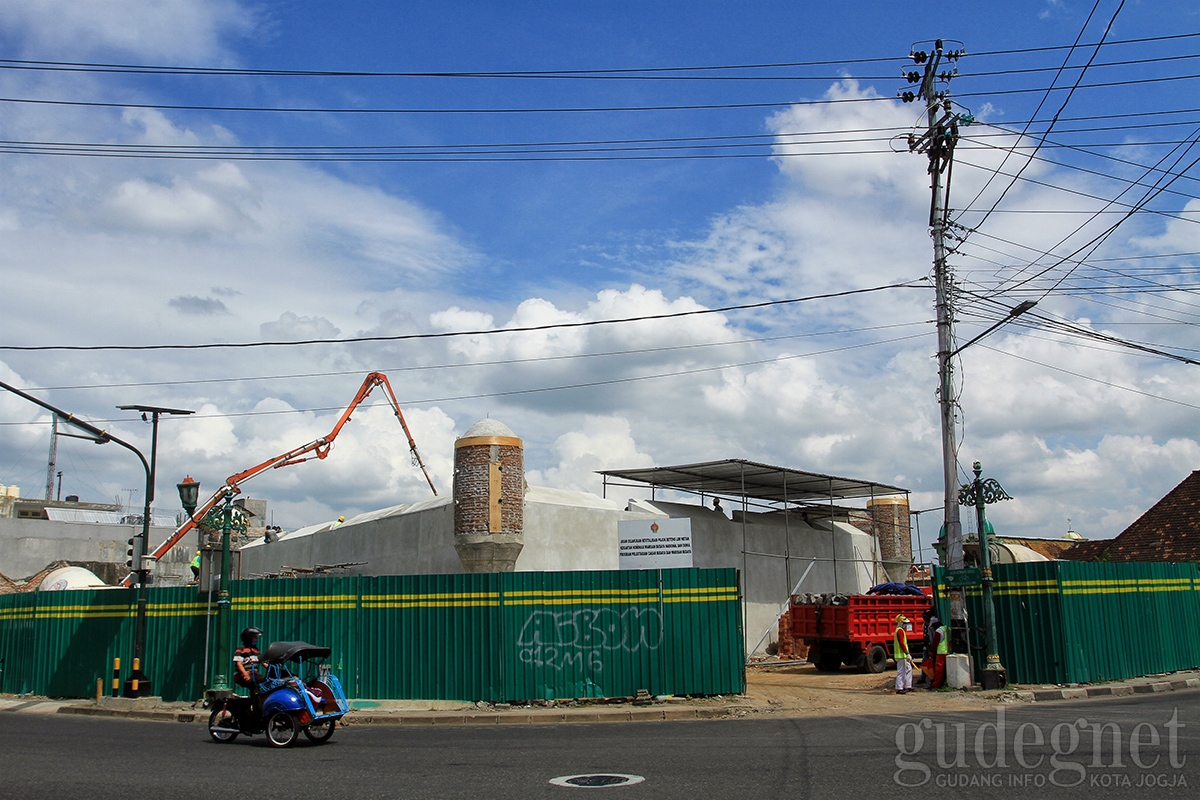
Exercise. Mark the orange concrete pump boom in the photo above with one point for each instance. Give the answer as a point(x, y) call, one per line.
point(319, 448)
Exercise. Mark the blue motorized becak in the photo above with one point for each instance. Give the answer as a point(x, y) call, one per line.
point(282, 703)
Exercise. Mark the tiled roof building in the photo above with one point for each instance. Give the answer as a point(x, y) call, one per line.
point(1169, 531)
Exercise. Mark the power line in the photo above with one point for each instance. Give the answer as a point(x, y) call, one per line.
point(774, 139)
point(559, 388)
point(83, 66)
point(558, 109)
point(483, 332)
point(1064, 325)
point(1150, 168)
point(1054, 119)
point(1096, 241)
point(667, 74)
point(1090, 378)
point(492, 363)
point(1076, 192)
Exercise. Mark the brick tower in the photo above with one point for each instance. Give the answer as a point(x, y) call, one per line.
point(891, 523)
point(489, 497)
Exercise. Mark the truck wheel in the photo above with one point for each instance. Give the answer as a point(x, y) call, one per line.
point(876, 660)
point(829, 662)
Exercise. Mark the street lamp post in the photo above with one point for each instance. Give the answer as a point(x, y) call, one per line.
point(189, 494)
point(223, 658)
point(980, 493)
point(137, 684)
point(103, 437)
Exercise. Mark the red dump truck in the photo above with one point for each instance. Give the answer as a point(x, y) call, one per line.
point(856, 630)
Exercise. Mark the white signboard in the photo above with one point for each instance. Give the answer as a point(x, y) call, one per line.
point(655, 544)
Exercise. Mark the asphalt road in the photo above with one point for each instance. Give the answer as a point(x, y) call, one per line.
point(1048, 750)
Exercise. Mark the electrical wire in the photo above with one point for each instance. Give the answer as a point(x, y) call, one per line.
point(1054, 120)
point(1151, 169)
point(492, 363)
point(557, 109)
point(1090, 378)
point(452, 334)
point(782, 138)
point(82, 66)
point(545, 389)
point(1079, 330)
point(1078, 193)
point(1096, 241)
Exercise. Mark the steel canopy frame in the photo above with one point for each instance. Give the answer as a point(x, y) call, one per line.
point(745, 480)
point(749, 479)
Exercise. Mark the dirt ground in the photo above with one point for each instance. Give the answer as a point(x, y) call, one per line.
point(799, 689)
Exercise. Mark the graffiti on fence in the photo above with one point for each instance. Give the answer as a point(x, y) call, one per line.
point(579, 639)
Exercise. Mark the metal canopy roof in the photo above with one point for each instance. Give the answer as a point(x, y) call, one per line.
point(739, 478)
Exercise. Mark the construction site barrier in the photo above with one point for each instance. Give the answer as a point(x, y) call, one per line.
point(492, 637)
point(1086, 622)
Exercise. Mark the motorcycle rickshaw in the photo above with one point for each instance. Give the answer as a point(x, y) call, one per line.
point(287, 702)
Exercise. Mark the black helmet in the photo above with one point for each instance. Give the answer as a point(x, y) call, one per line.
point(250, 635)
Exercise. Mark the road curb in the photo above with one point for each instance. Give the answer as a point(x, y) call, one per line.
point(537, 718)
point(666, 713)
point(156, 716)
point(1112, 690)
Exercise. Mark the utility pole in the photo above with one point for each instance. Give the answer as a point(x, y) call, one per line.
point(937, 142)
point(138, 685)
point(53, 457)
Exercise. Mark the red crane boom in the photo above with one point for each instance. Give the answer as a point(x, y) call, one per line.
point(318, 448)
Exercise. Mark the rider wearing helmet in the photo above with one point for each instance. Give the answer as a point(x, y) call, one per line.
point(245, 661)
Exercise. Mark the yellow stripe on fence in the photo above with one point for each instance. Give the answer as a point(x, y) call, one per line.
point(650, 592)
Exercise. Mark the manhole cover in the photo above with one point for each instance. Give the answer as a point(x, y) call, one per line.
point(601, 780)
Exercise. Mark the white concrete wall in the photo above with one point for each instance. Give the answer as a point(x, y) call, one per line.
point(411, 540)
point(28, 545)
point(841, 559)
point(567, 530)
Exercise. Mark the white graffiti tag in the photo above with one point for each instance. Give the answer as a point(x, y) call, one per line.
point(578, 639)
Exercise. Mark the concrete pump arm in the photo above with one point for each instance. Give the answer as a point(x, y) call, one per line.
point(318, 448)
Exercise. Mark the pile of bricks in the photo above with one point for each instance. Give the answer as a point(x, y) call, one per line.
point(789, 649)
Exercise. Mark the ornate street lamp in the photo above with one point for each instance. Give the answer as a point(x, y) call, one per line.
point(981, 493)
point(189, 496)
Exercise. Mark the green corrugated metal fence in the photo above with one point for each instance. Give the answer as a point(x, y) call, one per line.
point(497, 637)
point(1080, 622)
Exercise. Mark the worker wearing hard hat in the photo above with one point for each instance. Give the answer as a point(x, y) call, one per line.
point(196, 567)
point(902, 655)
point(340, 520)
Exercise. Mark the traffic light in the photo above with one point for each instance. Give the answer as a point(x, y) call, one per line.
point(133, 555)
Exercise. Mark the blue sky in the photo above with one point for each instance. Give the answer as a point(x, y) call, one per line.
point(138, 251)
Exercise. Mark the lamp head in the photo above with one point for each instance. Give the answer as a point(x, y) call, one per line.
point(189, 495)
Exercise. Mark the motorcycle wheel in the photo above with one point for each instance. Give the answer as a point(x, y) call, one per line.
point(221, 718)
point(320, 732)
point(282, 729)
